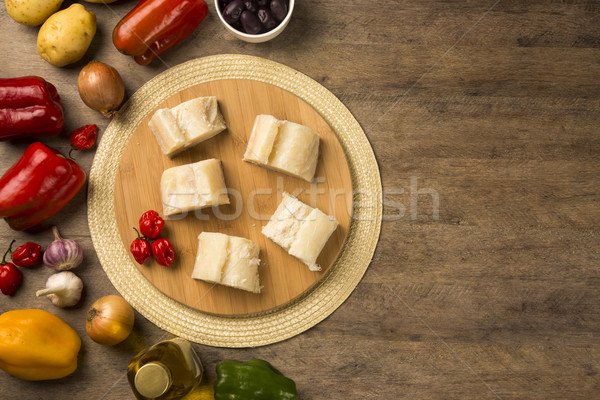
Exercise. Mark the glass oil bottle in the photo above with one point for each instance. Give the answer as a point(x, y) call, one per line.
point(167, 370)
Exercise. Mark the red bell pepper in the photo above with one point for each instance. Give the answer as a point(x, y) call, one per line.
point(37, 186)
point(154, 26)
point(29, 106)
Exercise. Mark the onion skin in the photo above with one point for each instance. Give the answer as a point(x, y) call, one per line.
point(109, 320)
point(101, 88)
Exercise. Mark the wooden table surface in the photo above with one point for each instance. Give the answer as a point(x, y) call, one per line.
point(484, 119)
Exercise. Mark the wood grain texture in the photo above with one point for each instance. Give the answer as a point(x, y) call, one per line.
point(254, 193)
point(492, 104)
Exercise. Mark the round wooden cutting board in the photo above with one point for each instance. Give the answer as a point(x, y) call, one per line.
point(255, 193)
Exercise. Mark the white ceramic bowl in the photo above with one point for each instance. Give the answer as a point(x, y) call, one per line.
point(261, 37)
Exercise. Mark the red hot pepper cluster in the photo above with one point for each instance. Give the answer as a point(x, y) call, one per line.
point(25, 255)
point(148, 243)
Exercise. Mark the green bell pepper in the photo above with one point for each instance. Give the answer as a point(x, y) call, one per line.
point(252, 380)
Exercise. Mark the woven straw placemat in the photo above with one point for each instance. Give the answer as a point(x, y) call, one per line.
point(249, 330)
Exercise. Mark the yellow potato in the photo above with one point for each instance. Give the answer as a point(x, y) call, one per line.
point(31, 12)
point(65, 36)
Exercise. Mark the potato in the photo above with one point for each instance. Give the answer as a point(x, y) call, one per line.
point(31, 12)
point(65, 36)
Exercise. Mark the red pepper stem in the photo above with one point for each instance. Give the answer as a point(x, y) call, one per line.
point(138, 233)
point(73, 148)
point(56, 233)
point(8, 251)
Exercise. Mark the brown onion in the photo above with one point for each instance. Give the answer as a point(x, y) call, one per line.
point(101, 88)
point(109, 320)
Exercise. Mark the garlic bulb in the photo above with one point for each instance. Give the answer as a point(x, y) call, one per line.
point(63, 289)
point(62, 254)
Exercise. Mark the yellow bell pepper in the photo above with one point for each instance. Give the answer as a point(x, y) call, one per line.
point(36, 345)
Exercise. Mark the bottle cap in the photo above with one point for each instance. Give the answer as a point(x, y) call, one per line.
point(152, 380)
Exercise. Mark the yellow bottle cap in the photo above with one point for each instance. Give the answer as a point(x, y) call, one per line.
point(152, 380)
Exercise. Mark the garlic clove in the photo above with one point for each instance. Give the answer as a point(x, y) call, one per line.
point(62, 289)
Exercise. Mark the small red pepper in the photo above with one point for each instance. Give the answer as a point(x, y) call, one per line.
point(154, 26)
point(140, 248)
point(163, 252)
point(37, 186)
point(26, 254)
point(10, 276)
point(151, 224)
point(29, 106)
point(83, 138)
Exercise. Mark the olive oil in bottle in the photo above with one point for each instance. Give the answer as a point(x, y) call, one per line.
point(167, 370)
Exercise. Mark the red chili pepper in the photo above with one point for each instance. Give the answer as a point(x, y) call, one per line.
point(140, 248)
point(151, 224)
point(37, 186)
point(154, 26)
point(29, 106)
point(10, 276)
point(83, 138)
point(26, 254)
point(163, 252)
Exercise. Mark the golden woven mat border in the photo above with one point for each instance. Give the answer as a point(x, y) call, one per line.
point(270, 326)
